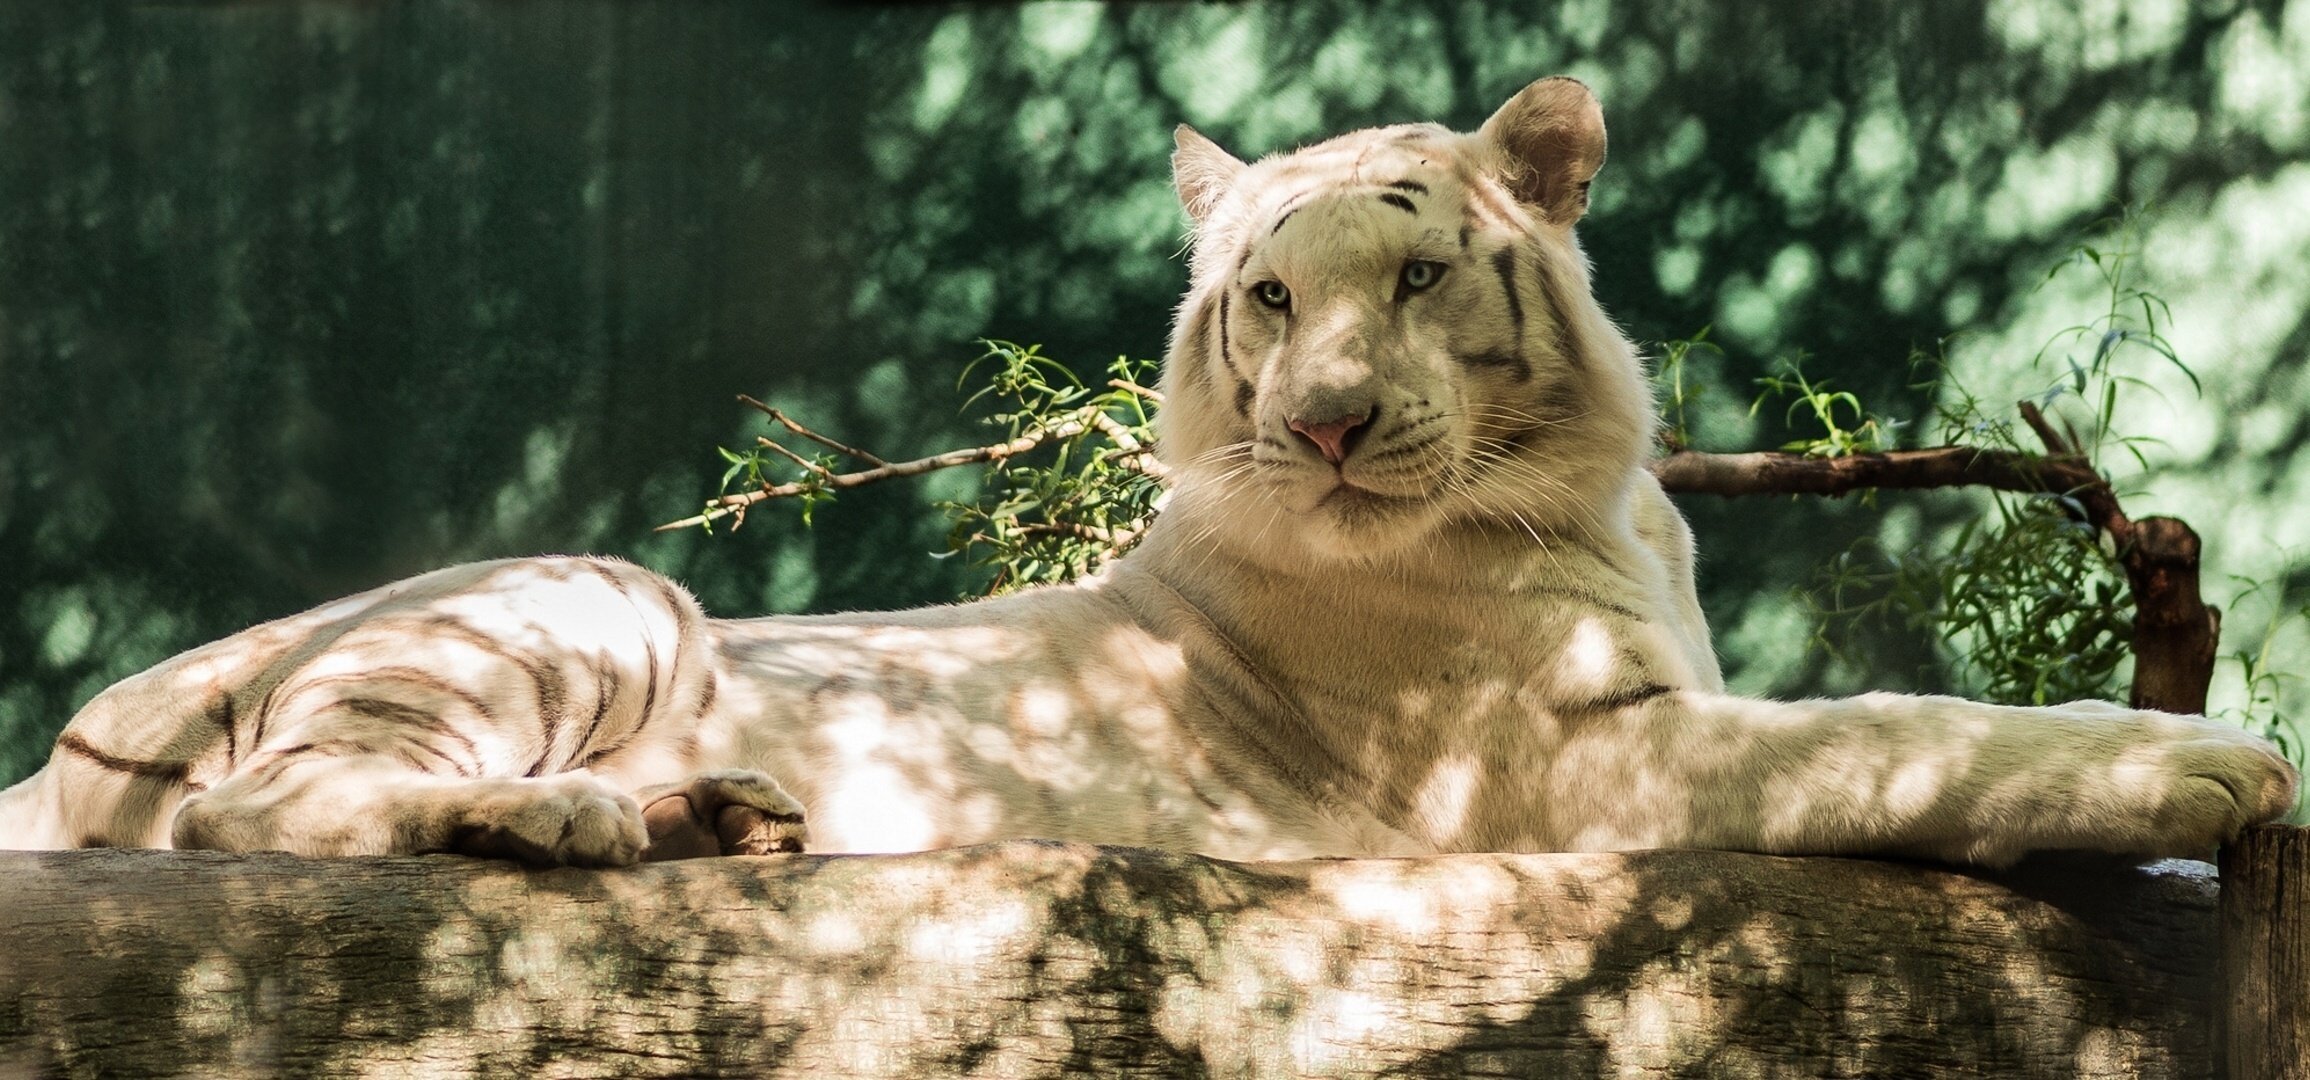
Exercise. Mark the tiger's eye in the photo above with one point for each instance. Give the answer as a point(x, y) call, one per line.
point(1273, 294)
point(1420, 274)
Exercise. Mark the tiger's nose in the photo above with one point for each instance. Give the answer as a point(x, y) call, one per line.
point(1333, 438)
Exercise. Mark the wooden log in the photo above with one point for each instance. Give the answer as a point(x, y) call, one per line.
point(2265, 1003)
point(1039, 959)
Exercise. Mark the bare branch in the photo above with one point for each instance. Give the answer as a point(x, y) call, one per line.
point(1690, 472)
point(796, 427)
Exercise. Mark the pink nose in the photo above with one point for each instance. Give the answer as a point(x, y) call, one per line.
point(1331, 437)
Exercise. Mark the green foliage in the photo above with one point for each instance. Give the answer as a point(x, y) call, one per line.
point(1088, 490)
point(2129, 326)
point(2262, 707)
point(2027, 602)
point(1679, 391)
point(1864, 433)
point(1071, 484)
point(2028, 605)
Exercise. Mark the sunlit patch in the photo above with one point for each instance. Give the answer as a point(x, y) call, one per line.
point(877, 807)
point(1041, 710)
point(1914, 786)
point(1589, 660)
point(834, 933)
point(1444, 798)
point(972, 938)
point(1337, 1024)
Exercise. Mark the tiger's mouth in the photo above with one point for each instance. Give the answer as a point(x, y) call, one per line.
point(1348, 497)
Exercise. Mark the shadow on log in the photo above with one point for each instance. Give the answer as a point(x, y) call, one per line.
point(1037, 959)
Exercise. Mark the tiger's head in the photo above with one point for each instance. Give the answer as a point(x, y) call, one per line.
point(1392, 331)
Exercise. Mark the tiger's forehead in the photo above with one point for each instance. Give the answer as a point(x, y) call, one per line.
point(1423, 170)
point(1423, 154)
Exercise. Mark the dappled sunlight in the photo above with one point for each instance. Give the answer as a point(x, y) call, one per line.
point(493, 298)
point(1004, 958)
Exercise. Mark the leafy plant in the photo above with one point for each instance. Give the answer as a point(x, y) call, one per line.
point(1073, 482)
point(1679, 391)
point(1057, 515)
point(2026, 604)
point(1864, 433)
point(2265, 689)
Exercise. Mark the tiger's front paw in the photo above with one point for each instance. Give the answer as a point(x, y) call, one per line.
point(566, 820)
point(2228, 782)
point(728, 812)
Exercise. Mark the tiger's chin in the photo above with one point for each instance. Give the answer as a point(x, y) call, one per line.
point(1345, 522)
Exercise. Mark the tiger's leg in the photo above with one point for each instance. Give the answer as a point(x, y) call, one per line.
point(364, 795)
point(1900, 774)
point(725, 812)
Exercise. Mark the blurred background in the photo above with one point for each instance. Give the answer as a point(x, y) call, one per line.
point(297, 298)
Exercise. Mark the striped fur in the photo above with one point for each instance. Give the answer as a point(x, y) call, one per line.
point(1413, 592)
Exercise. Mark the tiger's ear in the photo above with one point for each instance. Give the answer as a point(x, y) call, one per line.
point(1551, 142)
point(1201, 171)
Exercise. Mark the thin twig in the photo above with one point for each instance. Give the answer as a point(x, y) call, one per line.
point(1155, 396)
point(975, 455)
point(796, 427)
point(1133, 454)
point(790, 455)
point(2054, 443)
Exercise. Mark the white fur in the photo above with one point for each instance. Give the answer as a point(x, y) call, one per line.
point(1476, 631)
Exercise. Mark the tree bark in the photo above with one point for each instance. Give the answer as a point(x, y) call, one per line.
point(2266, 954)
point(1773, 472)
point(2175, 630)
point(1040, 959)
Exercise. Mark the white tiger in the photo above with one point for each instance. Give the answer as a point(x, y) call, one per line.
point(1414, 592)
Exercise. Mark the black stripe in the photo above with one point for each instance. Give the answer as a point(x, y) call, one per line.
point(1621, 699)
point(1465, 230)
point(1504, 262)
point(223, 717)
point(1289, 209)
point(552, 707)
point(1555, 301)
point(1413, 186)
point(605, 693)
point(650, 682)
point(172, 771)
point(1225, 357)
point(1191, 339)
point(707, 696)
point(396, 712)
point(1243, 397)
point(398, 749)
point(1511, 361)
point(1399, 202)
point(413, 676)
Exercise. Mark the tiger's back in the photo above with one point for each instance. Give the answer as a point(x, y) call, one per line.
point(523, 667)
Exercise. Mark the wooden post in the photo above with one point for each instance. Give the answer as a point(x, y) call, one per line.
point(2174, 628)
point(2265, 997)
